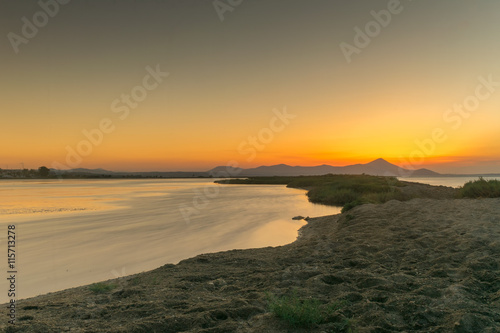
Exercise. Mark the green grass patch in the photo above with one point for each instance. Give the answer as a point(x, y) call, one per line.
point(101, 287)
point(481, 188)
point(298, 312)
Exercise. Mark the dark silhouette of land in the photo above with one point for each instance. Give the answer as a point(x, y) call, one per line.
point(378, 167)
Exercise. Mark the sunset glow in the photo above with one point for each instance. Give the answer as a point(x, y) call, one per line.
point(226, 81)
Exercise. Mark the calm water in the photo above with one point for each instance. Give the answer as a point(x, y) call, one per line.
point(77, 232)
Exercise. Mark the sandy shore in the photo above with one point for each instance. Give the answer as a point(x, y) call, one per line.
point(419, 266)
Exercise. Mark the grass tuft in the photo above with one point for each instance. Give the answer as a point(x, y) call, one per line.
point(298, 312)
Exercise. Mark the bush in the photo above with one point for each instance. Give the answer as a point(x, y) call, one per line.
point(100, 288)
point(481, 188)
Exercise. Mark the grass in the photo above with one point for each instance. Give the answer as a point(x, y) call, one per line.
point(481, 188)
point(101, 287)
point(337, 190)
point(298, 312)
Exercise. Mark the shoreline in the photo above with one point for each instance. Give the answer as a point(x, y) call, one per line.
point(423, 265)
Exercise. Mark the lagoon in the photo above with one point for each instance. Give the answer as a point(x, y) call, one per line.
point(75, 232)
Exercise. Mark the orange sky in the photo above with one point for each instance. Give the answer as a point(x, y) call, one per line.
point(228, 80)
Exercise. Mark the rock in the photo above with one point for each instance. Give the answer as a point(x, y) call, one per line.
point(298, 218)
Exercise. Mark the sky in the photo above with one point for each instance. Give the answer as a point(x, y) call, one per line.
point(193, 84)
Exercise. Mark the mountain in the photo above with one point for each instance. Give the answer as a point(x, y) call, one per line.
point(92, 171)
point(378, 167)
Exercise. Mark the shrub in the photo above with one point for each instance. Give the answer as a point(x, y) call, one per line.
point(481, 188)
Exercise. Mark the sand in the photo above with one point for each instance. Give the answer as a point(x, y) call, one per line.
point(423, 265)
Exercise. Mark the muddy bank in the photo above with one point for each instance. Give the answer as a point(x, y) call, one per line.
point(422, 266)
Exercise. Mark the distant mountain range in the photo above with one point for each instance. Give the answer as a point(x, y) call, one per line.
point(378, 167)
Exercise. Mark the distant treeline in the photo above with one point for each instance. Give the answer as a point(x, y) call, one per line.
point(46, 173)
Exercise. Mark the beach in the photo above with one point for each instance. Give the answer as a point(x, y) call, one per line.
point(423, 265)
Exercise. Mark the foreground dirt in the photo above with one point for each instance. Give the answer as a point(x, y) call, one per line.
point(418, 266)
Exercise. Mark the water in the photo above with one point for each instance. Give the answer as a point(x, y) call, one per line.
point(446, 181)
point(78, 232)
